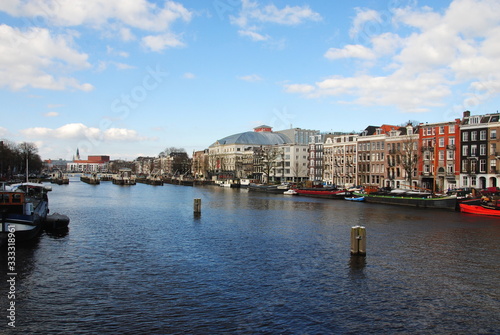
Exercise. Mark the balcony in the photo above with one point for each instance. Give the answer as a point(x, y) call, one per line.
point(451, 147)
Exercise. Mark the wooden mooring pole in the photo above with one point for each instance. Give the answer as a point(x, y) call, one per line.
point(197, 206)
point(358, 241)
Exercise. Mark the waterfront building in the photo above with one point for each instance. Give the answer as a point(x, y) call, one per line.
point(477, 133)
point(291, 163)
point(97, 163)
point(340, 160)
point(199, 167)
point(240, 155)
point(439, 166)
point(402, 157)
point(315, 158)
point(371, 155)
point(299, 135)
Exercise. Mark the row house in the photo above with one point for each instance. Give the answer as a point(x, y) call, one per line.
point(340, 159)
point(402, 157)
point(439, 166)
point(315, 158)
point(478, 148)
point(372, 156)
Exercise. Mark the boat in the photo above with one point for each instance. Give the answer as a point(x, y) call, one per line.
point(323, 192)
point(56, 221)
point(290, 192)
point(230, 183)
point(23, 210)
point(480, 209)
point(276, 189)
point(420, 201)
point(92, 179)
point(60, 178)
point(355, 198)
point(124, 177)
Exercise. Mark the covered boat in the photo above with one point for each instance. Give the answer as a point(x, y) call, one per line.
point(413, 200)
point(23, 209)
point(323, 192)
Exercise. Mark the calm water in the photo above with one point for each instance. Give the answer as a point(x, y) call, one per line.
point(137, 261)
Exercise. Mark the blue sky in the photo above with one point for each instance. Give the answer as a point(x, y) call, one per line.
point(130, 78)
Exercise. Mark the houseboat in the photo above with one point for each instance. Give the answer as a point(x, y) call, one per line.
point(23, 209)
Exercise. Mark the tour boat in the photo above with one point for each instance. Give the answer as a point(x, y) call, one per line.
point(23, 209)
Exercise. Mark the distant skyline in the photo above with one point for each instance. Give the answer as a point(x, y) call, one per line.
point(131, 78)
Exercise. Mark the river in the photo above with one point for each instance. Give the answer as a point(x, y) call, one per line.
point(136, 260)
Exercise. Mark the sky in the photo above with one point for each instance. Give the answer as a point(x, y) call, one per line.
point(129, 78)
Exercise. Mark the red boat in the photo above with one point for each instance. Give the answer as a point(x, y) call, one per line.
point(480, 209)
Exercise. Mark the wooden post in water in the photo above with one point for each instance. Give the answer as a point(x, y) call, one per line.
point(358, 241)
point(197, 206)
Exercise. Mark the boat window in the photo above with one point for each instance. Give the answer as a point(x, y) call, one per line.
point(4, 198)
point(16, 198)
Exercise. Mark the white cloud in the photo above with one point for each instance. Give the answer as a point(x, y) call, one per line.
point(99, 14)
point(113, 18)
point(51, 114)
point(33, 57)
point(188, 75)
point(253, 16)
point(362, 17)
point(161, 42)
point(251, 78)
point(350, 51)
point(417, 71)
point(79, 131)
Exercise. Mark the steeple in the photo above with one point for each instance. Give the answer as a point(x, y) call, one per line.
point(77, 154)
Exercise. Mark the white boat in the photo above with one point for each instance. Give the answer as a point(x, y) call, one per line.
point(290, 192)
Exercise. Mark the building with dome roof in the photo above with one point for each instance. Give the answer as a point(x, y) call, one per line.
point(237, 156)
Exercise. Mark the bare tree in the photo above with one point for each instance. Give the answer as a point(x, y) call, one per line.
point(409, 155)
point(266, 158)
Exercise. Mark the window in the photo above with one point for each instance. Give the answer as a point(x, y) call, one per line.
point(482, 135)
point(465, 181)
point(493, 134)
point(482, 150)
point(451, 129)
point(465, 151)
point(450, 155)
point(482, 165)
point(473, 150)
point(473, 136)
point(441, 130)
point(465, 136)
point(441, 155)
point(441, 142)
point(451, 140)
point(493, 149)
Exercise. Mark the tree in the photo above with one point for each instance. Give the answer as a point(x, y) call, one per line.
point(409, 154)
point(265, 158)
point(170, 150)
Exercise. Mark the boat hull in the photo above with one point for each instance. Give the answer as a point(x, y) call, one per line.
point(479, 210)
point(329, 194)
point(449, 203)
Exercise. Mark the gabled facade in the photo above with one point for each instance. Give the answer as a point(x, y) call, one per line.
point(340, 160)
point(401, 158)
point(439, 165)
point(476, 151)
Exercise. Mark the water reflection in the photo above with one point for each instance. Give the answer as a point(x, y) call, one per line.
point(137, 260)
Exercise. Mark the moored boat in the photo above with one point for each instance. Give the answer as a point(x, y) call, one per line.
point(92, 179)
point(401, 199)
point(330, 193)
point(479, 209)
point(124, 177)
point(276, 189)
point(290, 192)
point(23, 209)
point(355, 198)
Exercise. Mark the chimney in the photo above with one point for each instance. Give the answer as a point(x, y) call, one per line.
point(466, 114)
